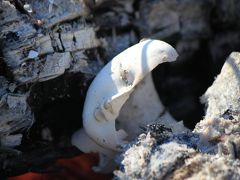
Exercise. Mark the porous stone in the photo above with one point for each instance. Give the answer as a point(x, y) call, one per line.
point(223, 97)
point(164, 18)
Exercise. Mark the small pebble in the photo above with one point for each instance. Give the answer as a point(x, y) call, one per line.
point(32, 54)
point(28, 8)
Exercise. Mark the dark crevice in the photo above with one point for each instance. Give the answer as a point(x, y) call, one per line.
point(74, 40)
point(19, 6)
point(136, 6)
point(3, 67)
point(54, 43)
point(60, 39)
point(57, 105)
point(4, 70)
point(181, 84)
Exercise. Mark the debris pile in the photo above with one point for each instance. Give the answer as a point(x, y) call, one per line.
point(212, 150)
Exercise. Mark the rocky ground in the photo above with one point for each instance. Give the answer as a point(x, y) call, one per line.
point(51, 50)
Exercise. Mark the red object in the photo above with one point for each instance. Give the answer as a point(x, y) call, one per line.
point(79, 167)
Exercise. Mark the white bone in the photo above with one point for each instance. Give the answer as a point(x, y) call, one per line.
point(113, 85)
point(111, 89)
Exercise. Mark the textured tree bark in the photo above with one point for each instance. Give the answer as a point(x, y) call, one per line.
point(51, 50)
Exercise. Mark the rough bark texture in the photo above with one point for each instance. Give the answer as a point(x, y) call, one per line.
point(51, 50)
